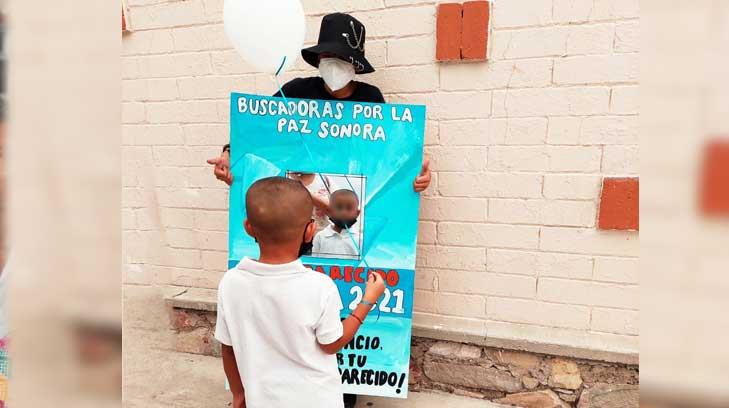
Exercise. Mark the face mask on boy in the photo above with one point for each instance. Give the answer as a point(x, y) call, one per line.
point(343, 223)
point(306, 247)
point(336, 73)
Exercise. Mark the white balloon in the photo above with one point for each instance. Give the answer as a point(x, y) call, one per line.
point(265, 31)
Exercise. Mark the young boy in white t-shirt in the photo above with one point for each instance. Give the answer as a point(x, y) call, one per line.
point(336, 239)
point(278, 321)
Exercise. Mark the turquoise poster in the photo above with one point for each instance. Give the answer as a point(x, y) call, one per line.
point(369, 155)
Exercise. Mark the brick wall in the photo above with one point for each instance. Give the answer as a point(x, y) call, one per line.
point(520, 144)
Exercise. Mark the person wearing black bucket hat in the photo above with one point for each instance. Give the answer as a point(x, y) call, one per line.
point(343, 36)
point(340, 56)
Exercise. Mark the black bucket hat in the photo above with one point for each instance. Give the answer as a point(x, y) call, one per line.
point(344, 36)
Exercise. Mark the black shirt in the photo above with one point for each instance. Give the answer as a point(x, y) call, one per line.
point(313, 88)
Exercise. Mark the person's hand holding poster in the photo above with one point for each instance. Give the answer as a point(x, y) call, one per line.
point(358, 161)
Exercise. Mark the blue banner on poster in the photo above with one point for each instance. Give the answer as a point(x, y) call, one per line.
point(374, 151)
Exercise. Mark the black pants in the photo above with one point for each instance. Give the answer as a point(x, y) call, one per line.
point(350, 400)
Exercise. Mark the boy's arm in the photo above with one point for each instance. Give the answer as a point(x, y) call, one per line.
point(231, 372)
point(222, 334)
point(350, 325)
point(375, 287)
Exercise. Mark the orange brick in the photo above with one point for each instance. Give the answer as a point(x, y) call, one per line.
point(475, 30)
point(619, 204)
point(715, 179)
point(448, 32)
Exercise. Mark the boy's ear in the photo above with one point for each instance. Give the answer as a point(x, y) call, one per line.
point(249, 228)
point(310, 232)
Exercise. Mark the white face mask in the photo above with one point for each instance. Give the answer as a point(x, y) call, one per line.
point(336, 73)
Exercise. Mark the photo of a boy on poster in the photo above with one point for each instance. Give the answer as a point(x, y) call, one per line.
point(337, 213)
point(335, 238)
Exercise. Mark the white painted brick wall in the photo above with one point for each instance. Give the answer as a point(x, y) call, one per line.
point(624, 100)
point(596, 69)
point(497, 75)
point(488, 284)
point(501, 185)
point(520, 13)
point(538, 313)
point(590, 39)
point(615, 321)
point(542, 212)
point(627, 36)
point(571, 186)
point(554, 101)
point(519, 146)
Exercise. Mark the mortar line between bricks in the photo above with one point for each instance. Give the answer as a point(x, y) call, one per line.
point(139, 284)
point(581, 330)
point(475, 90)
point(620, 284)
point(177, 101)
point(588, 331)
point(567, 24)
point(488, 320)
point(441, 92)
point(537, 277)
point(612, 333)
point(357, 12)
point(517, 223)
point(525, 249)
point(476, 294)
point(558, 85)
point(534, 298)
point(201, 269)
point(552, 302)
point(306, 43)
point(252, 74)
point(514, 248)
point(590, 318)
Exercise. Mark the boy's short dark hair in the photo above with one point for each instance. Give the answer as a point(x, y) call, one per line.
point(279, 209)
point(347, 192)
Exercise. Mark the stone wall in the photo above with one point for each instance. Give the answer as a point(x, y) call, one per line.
point(195, 332)
point(510, 377)
point(520, 378)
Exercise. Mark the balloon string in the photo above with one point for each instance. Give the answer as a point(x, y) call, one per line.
point(311, 159)
point(280, 67)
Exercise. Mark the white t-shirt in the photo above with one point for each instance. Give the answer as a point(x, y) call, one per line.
point(329, 242)
point(273, 316)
